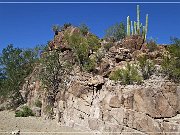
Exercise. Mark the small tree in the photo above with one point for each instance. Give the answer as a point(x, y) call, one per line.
point(116, 31)
point(16, 65)
point(53, 74)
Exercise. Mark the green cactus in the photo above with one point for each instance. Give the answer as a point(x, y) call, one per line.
point(146, 27)
point(132, 29)
point(144, 32)
point(138, 20)
point(135, 28)
point(128, 26)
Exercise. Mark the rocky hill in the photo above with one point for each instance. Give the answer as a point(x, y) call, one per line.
point(92, 98)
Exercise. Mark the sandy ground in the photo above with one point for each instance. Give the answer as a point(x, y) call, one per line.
point(33, 126)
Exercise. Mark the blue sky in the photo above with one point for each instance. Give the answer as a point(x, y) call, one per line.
point(27, 25)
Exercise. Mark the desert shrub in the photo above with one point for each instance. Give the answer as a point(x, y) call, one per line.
point(89, 65)
point(38, 103)
point(26, 111)
point(80, 47)
point(93, 43)
point(171, 61)
point(116, 31)
point(146, 66)
point(83, 29)
point(128, 75)
point(151, 45)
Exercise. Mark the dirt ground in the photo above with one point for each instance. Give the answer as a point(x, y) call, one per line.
point(33, 126)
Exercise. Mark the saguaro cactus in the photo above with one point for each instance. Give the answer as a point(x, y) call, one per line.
point(146, 27)
point(135, 28)
point(132, 29)
point(128, 26)
point(144, 32)
point(138, 20)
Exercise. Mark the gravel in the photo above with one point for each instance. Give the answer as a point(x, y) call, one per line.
point(32, 126)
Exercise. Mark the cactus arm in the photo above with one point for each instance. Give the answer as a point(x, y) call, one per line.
point(146, 27)
point(128, 26)
point(144, 32)
point(135, 28)
point(138, 20)
point(132, 29)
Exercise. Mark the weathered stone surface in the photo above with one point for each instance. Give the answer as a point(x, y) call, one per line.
point(77, 89)
point(94, 124)
point(157, 101)
point(134, 42)
point(115, 102)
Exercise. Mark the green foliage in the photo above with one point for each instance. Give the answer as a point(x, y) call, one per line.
point(82, 47)
point(26, 111)
point(129, 75)
point(56, 29)
point(83, 29)
point(151, 45)
point(146, 66)
point(15, 65)
point(116, 31)
point(174, 49)
point(54, 74)
point(89, 65)
point(52, 70)
point(38, 103)
point(93, 43)
point(171, 62)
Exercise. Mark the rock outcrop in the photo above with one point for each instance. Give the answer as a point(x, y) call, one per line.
point(116, 108)
point(94, 103)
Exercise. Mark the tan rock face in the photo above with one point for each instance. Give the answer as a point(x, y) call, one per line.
point(157, 101)
point(115, 102)
point(120, 108)
point(78, 89)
